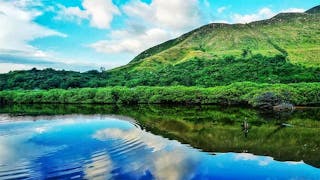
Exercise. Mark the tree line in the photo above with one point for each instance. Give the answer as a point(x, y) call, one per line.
point(194, 72)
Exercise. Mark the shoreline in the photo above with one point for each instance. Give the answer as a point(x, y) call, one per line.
point(241, 93)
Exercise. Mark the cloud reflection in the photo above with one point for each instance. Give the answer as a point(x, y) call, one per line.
point(17, 148)
point(261, 160)
point(166, 159)
point(100, 167)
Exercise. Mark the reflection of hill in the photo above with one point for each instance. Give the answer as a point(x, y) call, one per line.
point(214, 129)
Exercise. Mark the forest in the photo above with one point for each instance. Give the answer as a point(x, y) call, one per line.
point(195, 72)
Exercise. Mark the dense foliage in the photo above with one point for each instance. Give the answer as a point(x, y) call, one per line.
point(196, 72)
point(237, 93)
point(209, 73)
point(50, 78)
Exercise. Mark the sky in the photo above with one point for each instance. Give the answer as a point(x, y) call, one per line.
point(81, 35)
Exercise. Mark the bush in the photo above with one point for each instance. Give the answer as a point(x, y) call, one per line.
point(234, 94)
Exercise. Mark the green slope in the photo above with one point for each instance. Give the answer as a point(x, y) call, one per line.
point(294, 34)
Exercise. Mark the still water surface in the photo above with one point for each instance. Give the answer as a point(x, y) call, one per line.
point(154, 142)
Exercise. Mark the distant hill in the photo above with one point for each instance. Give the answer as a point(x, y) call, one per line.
point(294, 34)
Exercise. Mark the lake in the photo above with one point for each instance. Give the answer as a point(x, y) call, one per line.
point(157, 142)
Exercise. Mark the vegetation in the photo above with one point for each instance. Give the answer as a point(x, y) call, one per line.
point(50, 78)
point(195, 72)
point(236, 93)
point(210, 73)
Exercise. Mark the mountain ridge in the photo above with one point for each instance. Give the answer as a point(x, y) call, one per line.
point(255, 29)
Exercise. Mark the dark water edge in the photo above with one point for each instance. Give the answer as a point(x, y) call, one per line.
point(292, 136)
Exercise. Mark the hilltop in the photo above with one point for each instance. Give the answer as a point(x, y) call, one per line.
point(292, 34)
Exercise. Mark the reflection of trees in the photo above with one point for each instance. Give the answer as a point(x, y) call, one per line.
point(214, 129)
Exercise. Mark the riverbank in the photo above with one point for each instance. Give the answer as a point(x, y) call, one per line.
point(241, 93)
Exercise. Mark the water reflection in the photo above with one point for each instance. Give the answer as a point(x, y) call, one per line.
point(245, 128)
point(131, 144)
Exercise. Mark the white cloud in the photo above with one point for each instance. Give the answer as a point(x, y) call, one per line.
point(18, 29)
point(131, 41)
point(158, 21)
point(266, 12)
point(27, 3)
point(99, 12)
point(17, 60)
point(263, 13)
point(221, 9)
point(6, 67)
point(293, 10)
point(71, 14)
point(220, 21)
point(176, 15)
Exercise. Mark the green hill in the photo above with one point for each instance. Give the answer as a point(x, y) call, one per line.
point(294, 34)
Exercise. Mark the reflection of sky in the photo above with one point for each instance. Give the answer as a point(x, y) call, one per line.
point(95, 147)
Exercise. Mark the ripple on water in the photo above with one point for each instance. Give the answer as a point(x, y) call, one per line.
point(22, 170)
point(104, 148)
point(93, 163)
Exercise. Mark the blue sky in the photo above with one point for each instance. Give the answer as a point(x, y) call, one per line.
point(88, 34)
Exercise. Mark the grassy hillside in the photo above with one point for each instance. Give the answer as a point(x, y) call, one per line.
point(295, 35)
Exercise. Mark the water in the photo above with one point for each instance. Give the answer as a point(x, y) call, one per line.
point(154, 142)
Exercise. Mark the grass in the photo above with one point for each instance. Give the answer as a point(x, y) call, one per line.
point(295, 33)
